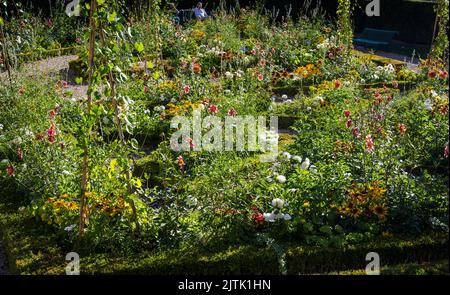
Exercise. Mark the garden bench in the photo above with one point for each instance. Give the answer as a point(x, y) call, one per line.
point(375, 38)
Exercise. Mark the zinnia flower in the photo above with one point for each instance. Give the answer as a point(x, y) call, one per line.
point(51, 133)
point(186, 89)
point(260, 77)
point(347, 113)
point(213, 109)
point(369, 143)
point(443, 74)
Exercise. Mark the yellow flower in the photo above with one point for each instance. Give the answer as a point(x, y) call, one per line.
point(387, 234)
point(380, 211)
point(306, 204)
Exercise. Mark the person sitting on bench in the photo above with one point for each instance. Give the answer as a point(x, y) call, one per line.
point(173, 11)
point(200, 13)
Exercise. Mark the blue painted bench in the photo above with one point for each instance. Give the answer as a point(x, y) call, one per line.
point(373, 37)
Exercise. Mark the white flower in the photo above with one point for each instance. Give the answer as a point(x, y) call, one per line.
point(287, 155)
point(305, 164)
point(308, 108)
point(433, 93)
point(228, 75)
point(297, 158)
point(269, 179)
point(284, 96)
point(313, 168)
point(281, 179)
point(1, 127)
point(70, 227)
point(428, 105)
point(287, 217)
point(270, 217)
point(279, 215)
point(279, 203)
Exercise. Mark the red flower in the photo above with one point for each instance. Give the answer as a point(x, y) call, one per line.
point(258, 218)
point(432, 74)
point(213, 109)
point(337, 84)
point(347, 113)
point(232, 112)
point(253, 52)
point(10, 170)
point(402, 128)
point(52, 113)
point(356, 132)
point(349, 123)
point(377, 95)
point(186, 89)
point(446, 151)
point(20, 154)
point(262, 62)
point(51, 133)
point(369, 143)
point(443, 74)
point(260, 77)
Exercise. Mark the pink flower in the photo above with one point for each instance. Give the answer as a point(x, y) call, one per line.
point(20, 154)
point(349, 123)
point(262, 62)
point(356, 132)
point(186, 89)
point(347, 113)
point(10, 170)
point(62, 145)
point(446, 151)
point(191, 143)
point(213, 109)
point(232, 112)
point(369, 143)
point(260, 77)
point(253, 52)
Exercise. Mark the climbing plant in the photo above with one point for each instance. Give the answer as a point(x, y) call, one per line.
point(108, 52)
point(344, 23)
point(439, 49)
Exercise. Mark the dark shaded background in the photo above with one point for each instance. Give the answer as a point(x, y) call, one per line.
point(414, 21)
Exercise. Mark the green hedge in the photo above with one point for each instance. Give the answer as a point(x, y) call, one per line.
point(33, 249)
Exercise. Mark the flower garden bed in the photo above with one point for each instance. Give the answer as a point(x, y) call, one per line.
point(361, 161)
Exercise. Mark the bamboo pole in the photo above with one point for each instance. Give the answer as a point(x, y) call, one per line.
point(85, 168)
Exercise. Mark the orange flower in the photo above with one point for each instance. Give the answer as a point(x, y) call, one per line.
point(197, 68)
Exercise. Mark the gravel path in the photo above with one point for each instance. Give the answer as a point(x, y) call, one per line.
point(51, 67)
